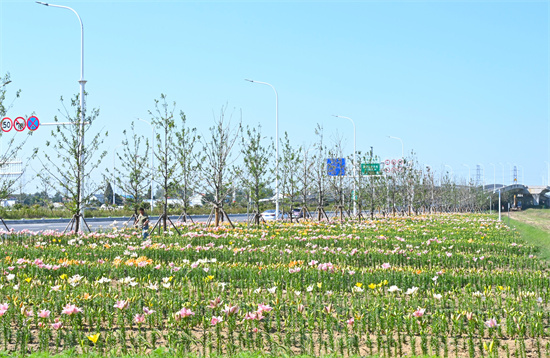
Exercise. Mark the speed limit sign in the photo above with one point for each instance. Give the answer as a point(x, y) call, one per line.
point(6, 124)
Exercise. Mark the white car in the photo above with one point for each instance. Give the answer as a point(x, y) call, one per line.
point(269, 215)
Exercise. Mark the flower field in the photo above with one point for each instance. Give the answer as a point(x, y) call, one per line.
point(448, 285)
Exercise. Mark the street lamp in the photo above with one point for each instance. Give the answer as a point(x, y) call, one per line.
point(276, 145)
point(82, 109)
point(354, 164)
point(502, 173)
point(114, 152)
point(402, 148)
point(152, 158)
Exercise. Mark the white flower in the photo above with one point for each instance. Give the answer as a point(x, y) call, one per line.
point(152, 286)
point(438, 296)
point(258, 290)
point(166, 284)
point(434, 279)
point(272, 289)
point(104, 280)
point(411, 290)
point(10, 277)
point(393, 288)
point(56, 288)
point(357, 289)
point(297, 293)
point(309, 288)
point(16, 287)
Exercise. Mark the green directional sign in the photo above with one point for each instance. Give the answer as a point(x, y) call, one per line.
point(370, 168)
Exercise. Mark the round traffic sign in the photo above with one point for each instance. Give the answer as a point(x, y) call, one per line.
point(6, 124)
point(387, 162)
point(33, 123)
point(19, 124)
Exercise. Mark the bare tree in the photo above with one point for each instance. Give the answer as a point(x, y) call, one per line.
point(337, 179)
point(217, 172)
point(188, 164)
point(305, 179)
point(132, 173)
point(320, 172)
point(73, 162)
point(255, 174)
point(289, 173)
point(163, 120)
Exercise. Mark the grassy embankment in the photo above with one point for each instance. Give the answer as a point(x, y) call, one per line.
point(534, 226)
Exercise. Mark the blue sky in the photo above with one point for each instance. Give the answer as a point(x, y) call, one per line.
point(461, 82)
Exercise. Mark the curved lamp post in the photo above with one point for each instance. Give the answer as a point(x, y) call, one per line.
point(82, 107)
point(402, 147)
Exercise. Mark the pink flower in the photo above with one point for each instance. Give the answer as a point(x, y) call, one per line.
point(419, 312)
point(57, 324)
point(184, 312)
point(386, 265)
point(230, 310)
point(4, 306)
point(264, 308)
point(215, 303)
point(215, 320)
point(70, 310)
point(147, 311)
point(44, 314)
point(139, 318)
point(350, 321)
point(492, 323)
point(121, 304)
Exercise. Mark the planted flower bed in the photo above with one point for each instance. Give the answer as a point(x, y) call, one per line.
point(453, 285)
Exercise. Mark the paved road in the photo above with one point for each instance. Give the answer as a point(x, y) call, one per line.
point(94, 223)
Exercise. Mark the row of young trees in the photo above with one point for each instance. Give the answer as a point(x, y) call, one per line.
point(231, 157)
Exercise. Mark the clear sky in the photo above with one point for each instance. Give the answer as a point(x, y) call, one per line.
point(461, 82)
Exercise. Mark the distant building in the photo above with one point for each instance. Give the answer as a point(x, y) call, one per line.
point(98, 197)
point(195, 200)
point(6, 203)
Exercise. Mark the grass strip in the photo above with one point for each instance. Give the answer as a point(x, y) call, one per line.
point(533, 236)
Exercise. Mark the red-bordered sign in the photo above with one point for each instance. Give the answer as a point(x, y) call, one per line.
point(33, 123)
point(6, 124)
point(19, 124)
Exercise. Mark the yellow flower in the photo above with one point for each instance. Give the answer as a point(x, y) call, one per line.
point(210, 277)
point(372, 286)
point(358, 284)
point(28, 279)
point(94, 337)
point(64, 276)
point(319, 284)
